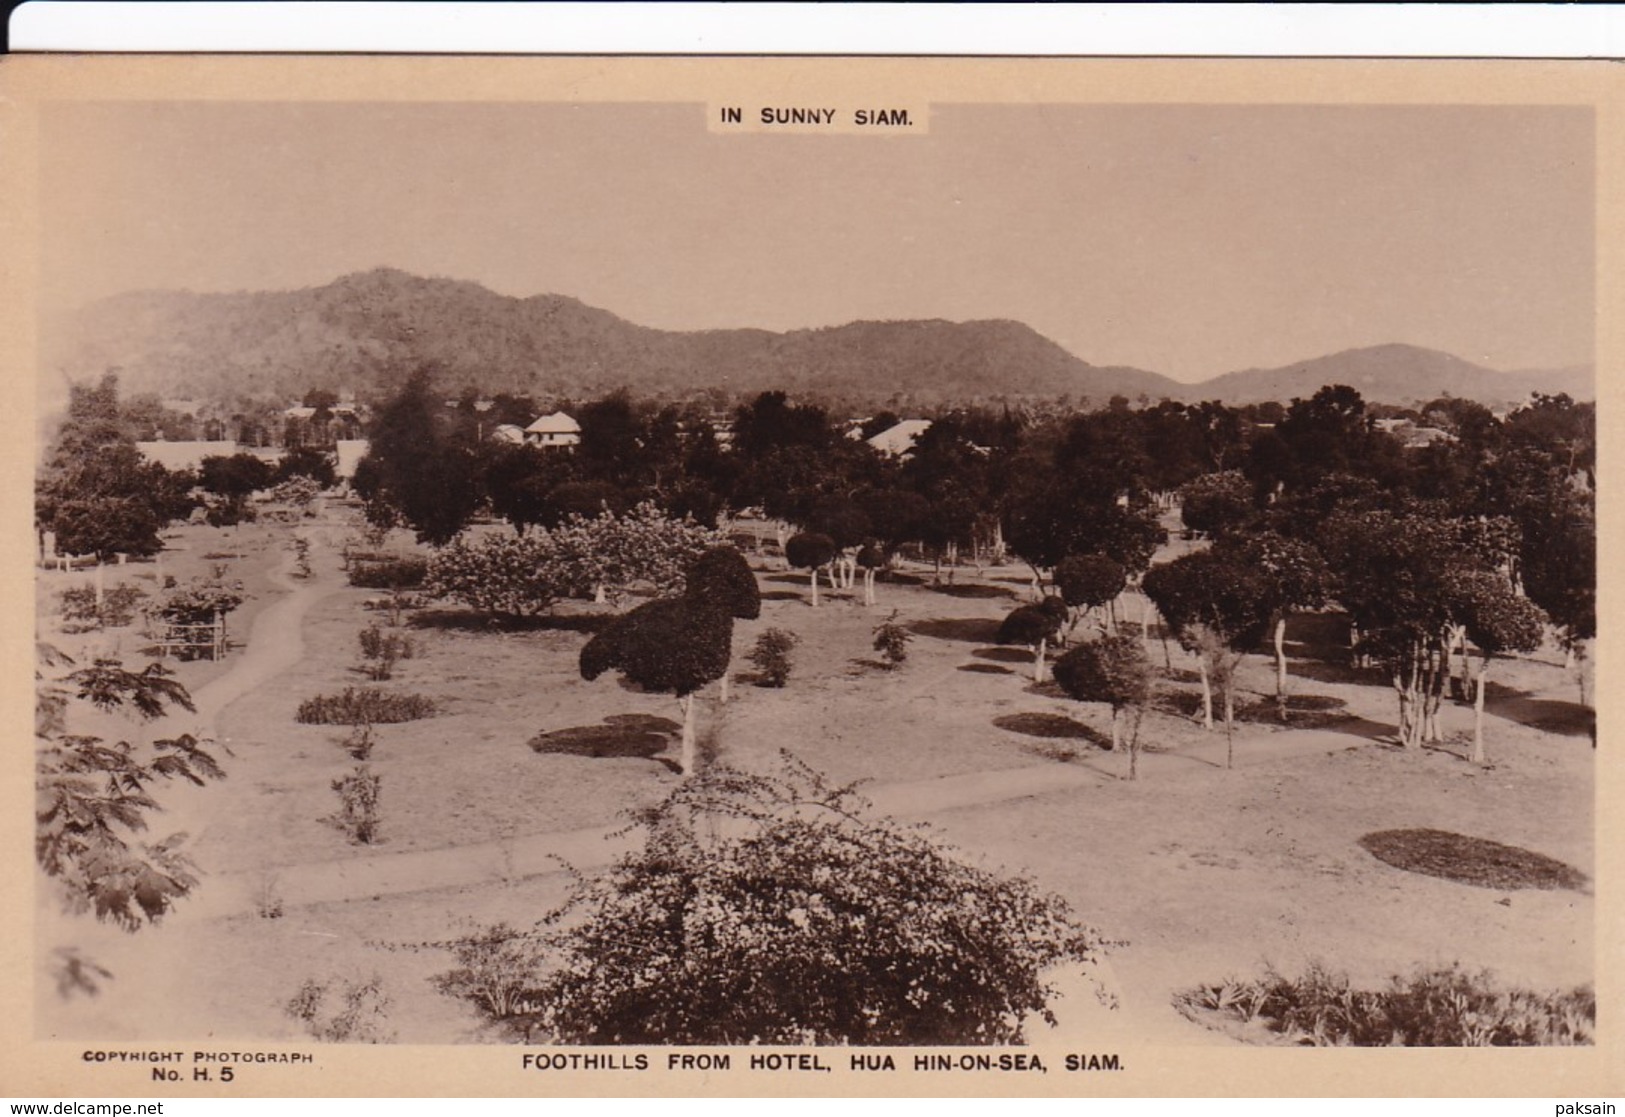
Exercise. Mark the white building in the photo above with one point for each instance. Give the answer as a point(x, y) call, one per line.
point(557, 429)
point(898, 441)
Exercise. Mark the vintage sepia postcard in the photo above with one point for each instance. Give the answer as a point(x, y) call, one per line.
point(683, 576)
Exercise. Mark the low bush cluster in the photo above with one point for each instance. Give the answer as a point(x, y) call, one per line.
point(364, 706)
point(1445, 1007)
point(117, 608)
point(388, 572)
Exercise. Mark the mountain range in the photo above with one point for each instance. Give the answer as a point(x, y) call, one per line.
point(365, 331)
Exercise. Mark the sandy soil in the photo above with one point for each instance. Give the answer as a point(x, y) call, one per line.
point(1202, 872)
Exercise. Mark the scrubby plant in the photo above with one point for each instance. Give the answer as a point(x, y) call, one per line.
point(361, 1015)
point(301, 557)
point(117, 608)
point(383, 650)
point(1442, 1007)
point(891, 640)
point(367, 705)
point(360, 741)
point(497, 969)
point(358, 804)
point(297, 492)
point(770, 655)
point(850, 929)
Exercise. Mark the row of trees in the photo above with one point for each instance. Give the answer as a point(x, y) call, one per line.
point(99, 496)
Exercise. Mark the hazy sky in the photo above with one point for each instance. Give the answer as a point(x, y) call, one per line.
point(1190, 240)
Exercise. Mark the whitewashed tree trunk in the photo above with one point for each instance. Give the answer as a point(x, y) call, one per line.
point(815, 587)
point(1207, 693)
point(1478, 713)
point(1038, 662)
point(689, 756)
point(1280, 666)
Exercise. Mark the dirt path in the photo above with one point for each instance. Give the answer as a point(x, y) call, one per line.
point(383, 874)
point(274, 644)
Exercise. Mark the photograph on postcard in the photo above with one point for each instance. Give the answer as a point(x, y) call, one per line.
point(997, 581)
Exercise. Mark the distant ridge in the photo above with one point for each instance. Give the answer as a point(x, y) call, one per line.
point(1395, 373)
point(365, 331)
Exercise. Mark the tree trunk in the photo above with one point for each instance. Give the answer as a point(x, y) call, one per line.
point(1207, 694)
point(1038, 662)
point(1117, 732)
point(1280, 666)
point(1229, 725)
point(815, 586)
point(99, 583)
point(1478, 712)
point(722, 690)
point(688, 753)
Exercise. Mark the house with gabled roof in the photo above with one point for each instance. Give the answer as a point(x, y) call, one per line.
point(557, 429)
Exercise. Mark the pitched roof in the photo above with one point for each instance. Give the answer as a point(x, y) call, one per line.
point(556, 423)
point(899, 440)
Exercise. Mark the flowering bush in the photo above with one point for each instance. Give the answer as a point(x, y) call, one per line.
point(524, 576)
point(768, 910)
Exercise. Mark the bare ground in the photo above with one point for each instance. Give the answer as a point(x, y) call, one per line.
point(1202, 872)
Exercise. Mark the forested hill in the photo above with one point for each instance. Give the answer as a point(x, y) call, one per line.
point(365, 331)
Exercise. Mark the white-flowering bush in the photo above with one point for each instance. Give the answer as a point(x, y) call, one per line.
point(523, 576)
point(502, 575)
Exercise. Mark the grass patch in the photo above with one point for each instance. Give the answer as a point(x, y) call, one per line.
point(986, 669)
point(1476, 861)
point(1444, 1007)
point(366, 706)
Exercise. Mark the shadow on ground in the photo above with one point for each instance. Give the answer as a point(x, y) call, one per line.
point(642, 736)
point(1549, 715)
point(1004, 655)
point(971, 630)
point(467, 620)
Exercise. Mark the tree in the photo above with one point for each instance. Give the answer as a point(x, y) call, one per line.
point(1089, 582)
point(307, 461)
point(774, 911)
point(1401, 575)
point(1113, 670)
point(1498, 621)
point(1034, 626)
point(677, 645)
point(95, 492)
point(810, 551)
point(421, 473)
point(1294, 576)
point(1216, 503)
point(1217, 606)
point(93, 799)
